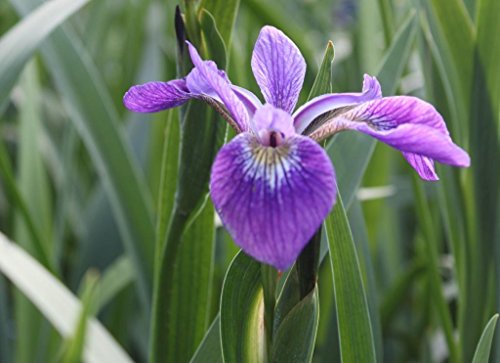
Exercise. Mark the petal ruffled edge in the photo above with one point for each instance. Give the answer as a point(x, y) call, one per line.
point(272, 200)
point(278, 67)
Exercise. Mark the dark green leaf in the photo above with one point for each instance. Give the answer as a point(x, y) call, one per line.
point(355, 329)
point(295, 338)
point(188, 308)
point(242, 313)
point(210, 347)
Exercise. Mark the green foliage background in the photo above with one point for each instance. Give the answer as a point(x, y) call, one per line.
point(107, 200)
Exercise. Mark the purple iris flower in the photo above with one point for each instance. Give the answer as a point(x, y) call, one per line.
point(273, 184)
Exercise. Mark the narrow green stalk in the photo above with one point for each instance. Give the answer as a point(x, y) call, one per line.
point(443, 311)
point(307, 264)
point(163, 287)
point(387, 14)
point(269, 277)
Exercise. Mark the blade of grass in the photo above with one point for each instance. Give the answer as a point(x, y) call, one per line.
point(482, 354)
point(56, 302)
point(18, 45)
point(242, 310)
point(429, 232)
point(114, 279)
point(224, 13)
point(91, 109)
point(354, 323)
point(75, 345)
point(209, 349)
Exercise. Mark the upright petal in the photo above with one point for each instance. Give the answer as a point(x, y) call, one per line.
point(405, 123)
point(279, 68)
point(321, 105)
point(272, 200)
point(156, 96)
point(209, 76)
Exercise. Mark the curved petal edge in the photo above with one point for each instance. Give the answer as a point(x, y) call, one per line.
point(272, 200)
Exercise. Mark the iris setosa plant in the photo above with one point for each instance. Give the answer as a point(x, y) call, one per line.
point(273, 184)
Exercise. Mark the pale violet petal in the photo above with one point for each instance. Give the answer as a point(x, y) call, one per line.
point(320, 105)
point(279, 68)
point(212, 78)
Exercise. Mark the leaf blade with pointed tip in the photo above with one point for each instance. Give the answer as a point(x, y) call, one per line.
point(18, 45)
point(354, 324)
point(56, 302)
point(482, 353)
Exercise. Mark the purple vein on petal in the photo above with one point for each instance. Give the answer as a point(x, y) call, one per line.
point(409, 125)
point(156, 96)
point(308, 112)
point(279, 68)
point(272, 200)
point(222, 88)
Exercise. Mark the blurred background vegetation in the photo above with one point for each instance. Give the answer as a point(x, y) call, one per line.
point(80, 176)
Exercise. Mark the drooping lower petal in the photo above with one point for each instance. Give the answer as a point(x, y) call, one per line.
point(272, 200)
point(423, 165)
point(279, 68)
point(156, 96)
point(209, 76)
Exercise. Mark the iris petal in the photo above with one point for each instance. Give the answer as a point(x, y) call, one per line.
point(423, 165)
point(322, 105)
point(209, 76)
point(272, 200)
point(279, 68)
point(406, 123)
point(156, 96)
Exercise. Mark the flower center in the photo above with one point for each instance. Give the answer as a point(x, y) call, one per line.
point(271, 138)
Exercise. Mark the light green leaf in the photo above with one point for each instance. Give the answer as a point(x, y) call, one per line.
point(488, 45)
point(294, 340)
point(91, 109)
point(18, 45)
point(76, 343)
point(224, 13)
point(56, 302)
point(115, 278)
point(242, 313)
point(213, 40)
point(482, 353)
point(323, 81)
point(354, 325)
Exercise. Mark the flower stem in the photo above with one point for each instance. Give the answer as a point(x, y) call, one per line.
point(269, 277)
point(163, 287)
point(308, 263)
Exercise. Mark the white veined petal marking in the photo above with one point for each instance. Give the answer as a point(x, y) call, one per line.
point(271, 165)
